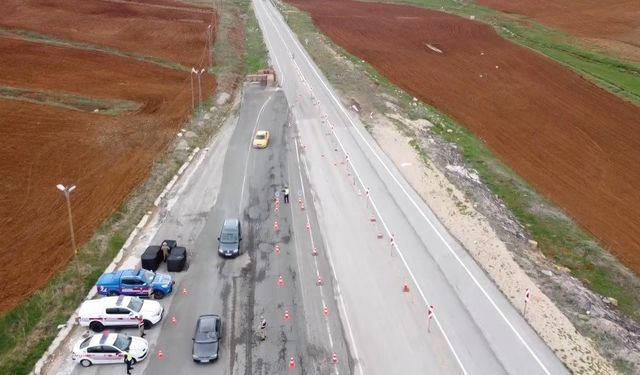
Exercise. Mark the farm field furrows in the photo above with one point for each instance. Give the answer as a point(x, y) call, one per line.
point(574, 142)
point(87, 117)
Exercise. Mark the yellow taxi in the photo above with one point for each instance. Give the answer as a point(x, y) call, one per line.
point(261, 140)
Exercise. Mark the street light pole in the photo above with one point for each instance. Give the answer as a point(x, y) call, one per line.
point(209, 42)
point(200, 87)
point(67, 191)
point(193, 104)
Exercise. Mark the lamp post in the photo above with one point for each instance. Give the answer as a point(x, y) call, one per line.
point(67, 191)
point(209, 42)
point(199, 73)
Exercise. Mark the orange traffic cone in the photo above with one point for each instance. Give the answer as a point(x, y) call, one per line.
point(292, 363)
point(286, 315)
point(160, 355)
point(405, 288)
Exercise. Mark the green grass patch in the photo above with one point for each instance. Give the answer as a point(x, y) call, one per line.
point(110, 107)
point(255, 50)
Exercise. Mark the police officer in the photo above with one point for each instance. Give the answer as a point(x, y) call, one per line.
point(141, 327)
point(128, 360)
point(165, 251)
point(286, 194)
point(263, 328)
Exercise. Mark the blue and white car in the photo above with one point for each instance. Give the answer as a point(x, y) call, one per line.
point(135, 282)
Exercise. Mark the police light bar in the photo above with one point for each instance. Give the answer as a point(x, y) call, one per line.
point(105, 336)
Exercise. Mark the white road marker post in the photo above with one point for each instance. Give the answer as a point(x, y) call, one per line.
point(527, 297)
point(429, 316)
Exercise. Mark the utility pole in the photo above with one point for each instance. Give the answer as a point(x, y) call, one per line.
point(67, 191)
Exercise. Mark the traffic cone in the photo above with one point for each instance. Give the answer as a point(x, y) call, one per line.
point(276, 249)
point(405, 288)
point(319, 281)
point(373, 218)
point(184, 291)
point(308, 226)
point(160, 355)
point(301, 205)
point(174, 321)
point(380, 235)
point(276, 227)
point(334, 358)
point(292, 363)
point(280, 280)
point(286, 315)
point(325, 311)
point(314, 252)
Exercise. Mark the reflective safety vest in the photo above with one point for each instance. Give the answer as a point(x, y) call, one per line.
point(128, 357)
point(286, 191)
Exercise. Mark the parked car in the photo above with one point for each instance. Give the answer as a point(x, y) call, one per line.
point(230, 237)
point(108, 348)
point(119, 311)
point(206, 339)
point(135, 282)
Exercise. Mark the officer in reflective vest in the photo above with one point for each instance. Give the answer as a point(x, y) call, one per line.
point(286, 194)
point(128, 359)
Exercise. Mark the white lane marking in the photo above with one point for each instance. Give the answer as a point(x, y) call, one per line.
point(246, 163)
point(451, 251)
point(358, 365)
point(313, 245)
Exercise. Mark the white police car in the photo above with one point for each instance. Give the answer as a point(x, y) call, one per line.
point(121, 311)
point(108, 348)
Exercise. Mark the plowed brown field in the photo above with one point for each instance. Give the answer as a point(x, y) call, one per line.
point(151, 28)
point(613, 23)
point(576, 143)
point(105, 156)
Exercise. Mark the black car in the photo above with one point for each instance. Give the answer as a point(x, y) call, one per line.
point(206, 340)
point(230, 237)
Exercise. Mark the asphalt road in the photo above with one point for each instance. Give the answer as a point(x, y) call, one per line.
point(475, 330)
point(233, 180)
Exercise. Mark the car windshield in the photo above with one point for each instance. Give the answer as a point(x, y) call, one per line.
point(229, 237)
point(148, 276)
point(135, 304)
point(85, 343)
point(122, 342)
point(261, 136)
point(206, 333)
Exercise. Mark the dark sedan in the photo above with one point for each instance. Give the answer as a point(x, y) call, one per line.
point(206, 340)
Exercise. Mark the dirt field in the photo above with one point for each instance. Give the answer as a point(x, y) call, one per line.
point(153, 28)
point(613, 24)
point(105, 156)
point(576, 143)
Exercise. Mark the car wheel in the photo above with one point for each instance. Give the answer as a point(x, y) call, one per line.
point(158, 294)
point(85, 363)
point(96, 326)
point(147, 324)
point(113, 293)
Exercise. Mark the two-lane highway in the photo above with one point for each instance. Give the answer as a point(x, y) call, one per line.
point(475, 330)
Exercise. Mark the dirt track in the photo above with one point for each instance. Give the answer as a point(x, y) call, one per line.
point(576, 143)
point(105, 156)
point(613, 24)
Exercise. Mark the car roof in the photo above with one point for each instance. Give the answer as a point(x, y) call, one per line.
point(106, 302)
point(103, 339)
point(207, 321)
point(262, 132)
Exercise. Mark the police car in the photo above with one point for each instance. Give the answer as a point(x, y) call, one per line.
point(121, 311)
point(109, 348)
